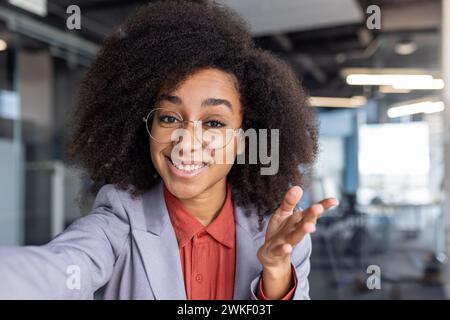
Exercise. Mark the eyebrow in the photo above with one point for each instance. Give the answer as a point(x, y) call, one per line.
point(170, 98)
point(205, 103)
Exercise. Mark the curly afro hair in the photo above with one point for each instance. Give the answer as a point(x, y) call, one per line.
point(160, 45)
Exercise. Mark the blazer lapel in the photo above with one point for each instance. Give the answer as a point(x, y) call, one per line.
point(158, 247)
point(248, 240)
point(162, 264)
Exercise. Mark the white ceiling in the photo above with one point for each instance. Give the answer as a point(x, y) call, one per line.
point(276, 16)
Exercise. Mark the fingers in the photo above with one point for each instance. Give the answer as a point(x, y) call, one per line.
point(329, 202)
point(299, 224)
point(306, 225)
point(308, 222)
point(320, 208)
point(297, 216)
point(291, 198)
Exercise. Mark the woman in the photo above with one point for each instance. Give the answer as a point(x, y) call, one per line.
point(168, 102)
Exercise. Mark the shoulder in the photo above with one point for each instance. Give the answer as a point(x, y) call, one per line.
point(111, 195)
point(113, 201)
point(127, 206)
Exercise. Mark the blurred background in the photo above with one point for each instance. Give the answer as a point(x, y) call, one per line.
point(378, 73)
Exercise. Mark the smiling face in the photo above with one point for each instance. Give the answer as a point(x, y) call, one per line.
point(187, 167)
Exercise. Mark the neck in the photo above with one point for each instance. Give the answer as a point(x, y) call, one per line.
point(206, 206)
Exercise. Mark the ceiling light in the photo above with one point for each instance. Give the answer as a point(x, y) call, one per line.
point(386, 79)
point(433, 84)
point(397, 78)
point(414, 108)
point(396, 81)
point(355, 101)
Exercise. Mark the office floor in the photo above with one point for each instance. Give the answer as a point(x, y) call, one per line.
point(407, 263)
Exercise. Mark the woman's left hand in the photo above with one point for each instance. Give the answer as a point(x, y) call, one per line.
point(286, 229)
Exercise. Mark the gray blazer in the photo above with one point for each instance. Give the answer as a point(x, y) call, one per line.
point(129, 245)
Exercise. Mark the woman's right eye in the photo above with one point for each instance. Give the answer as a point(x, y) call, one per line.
point(168, 119)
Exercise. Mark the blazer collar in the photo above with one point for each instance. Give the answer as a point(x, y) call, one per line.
point(157, 215)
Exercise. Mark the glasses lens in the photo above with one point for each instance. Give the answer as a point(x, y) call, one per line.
point(161, 123)
point(217, 138)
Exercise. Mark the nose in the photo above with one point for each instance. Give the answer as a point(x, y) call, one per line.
point(186, 142)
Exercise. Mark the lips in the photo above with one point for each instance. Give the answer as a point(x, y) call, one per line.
point(189, 167)
point(186, 169)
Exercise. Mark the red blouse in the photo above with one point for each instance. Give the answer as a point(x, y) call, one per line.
point(207, 253)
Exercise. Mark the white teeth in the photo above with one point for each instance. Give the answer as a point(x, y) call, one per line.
point(189, 167)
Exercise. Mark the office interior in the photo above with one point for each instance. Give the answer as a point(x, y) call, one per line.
point(381, 94)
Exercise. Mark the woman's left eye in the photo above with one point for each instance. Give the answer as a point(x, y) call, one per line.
point(215, 124)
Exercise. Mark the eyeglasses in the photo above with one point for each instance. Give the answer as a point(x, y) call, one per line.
point(163, 127)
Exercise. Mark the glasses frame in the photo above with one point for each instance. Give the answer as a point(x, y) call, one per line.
point(184, 124)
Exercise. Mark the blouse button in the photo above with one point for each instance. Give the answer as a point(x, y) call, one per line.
point(199, 277)
point(201, 234)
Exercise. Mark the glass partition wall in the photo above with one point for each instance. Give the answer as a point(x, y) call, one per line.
point(38, 91)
